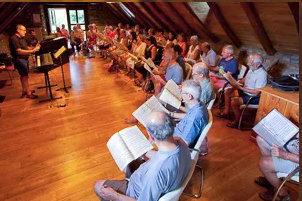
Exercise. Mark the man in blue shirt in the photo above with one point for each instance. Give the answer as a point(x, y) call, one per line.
point(196, 115)
point(229, 65)
point(164, 172)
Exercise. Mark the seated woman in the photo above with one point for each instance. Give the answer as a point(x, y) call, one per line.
point(194, 51)
point(91, 40)
point(118, 50)
point(171, 38)
point(182, 42)
point(276, 159)
point(76, 39)
point(138, 51)
point(150, 52)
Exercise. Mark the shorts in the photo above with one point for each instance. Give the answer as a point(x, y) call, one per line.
point(118, 185)
point(284, 166)
point(245, 97)
point(22, 66)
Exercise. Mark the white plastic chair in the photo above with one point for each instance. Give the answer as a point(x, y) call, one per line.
point(211, 103)
point(291, 177)
point(175, 194)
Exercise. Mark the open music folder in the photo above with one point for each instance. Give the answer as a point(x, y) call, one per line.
point(276, 129)
point(145, 109)
point(128, 145)
point(171, 94)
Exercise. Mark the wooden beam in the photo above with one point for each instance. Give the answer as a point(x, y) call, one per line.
point(156, 23)
point(256, 23)
point(188, 15)
point(116, 12)
point(139, 15)
point(226, 27)
point(294, 7)
point(153, 8)
point(153, 15)
point(174, 16)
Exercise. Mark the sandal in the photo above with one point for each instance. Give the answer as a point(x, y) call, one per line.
point(262, 181)
point(233, 124)
point(222, 115)
point(269, 195)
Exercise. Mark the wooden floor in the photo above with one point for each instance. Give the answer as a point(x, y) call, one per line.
point(57, 153)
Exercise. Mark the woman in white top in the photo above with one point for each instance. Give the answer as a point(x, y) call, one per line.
point(194, 50)
point(138, 51)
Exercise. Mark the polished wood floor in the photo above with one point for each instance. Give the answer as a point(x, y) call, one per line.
point(53, 153)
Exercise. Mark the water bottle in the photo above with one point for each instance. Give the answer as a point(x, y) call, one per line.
point(221, 69)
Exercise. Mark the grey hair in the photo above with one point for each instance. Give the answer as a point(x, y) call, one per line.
point(195, 38)
point(229, 49)
point(201, 68)
point(19, 26)
point(192, 87)
point(161, 130)
point(257, 59)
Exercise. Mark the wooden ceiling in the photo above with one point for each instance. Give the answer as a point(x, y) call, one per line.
point(268, 25)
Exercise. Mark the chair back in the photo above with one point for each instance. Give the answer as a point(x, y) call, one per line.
point(175, 194)
point(242, 72)
point(188, 72)
point(211, 103)
point(204, 133)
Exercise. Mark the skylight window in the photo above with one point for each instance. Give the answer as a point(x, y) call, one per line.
point(201, 9)
point(127, 11)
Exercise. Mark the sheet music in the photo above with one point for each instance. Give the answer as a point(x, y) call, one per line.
point(145, 109)
point(229, 78)
point(135, 141)
point(171, 94)
point(59, 52)
point(276, 129)
point(148, 68)
point(119, 151)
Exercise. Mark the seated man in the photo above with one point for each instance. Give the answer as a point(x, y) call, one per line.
point(196, 115)
point(200, 73)
point(255, 79)
point(275, 159)
point(228, 63)
point(164, 172)
point(173, 72)
point(208, 55)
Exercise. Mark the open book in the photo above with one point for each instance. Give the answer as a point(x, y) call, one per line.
point(275, 128)
point(128, 145)
point(171, 94)
point(229, 78)
point(145, 109)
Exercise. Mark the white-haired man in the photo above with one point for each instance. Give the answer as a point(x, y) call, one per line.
point(255, 79)
point(200, 73)
point(196, 116)
point(164, 172)
point(228, 63)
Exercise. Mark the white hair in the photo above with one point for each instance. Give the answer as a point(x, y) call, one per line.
point(257, 59)
point(192, 87)
point(229, 49)
point(201, 68)
point(195, 38)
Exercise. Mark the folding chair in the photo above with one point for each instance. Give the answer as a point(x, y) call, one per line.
point(175, 194)
point(291, 177)
point(243, 107)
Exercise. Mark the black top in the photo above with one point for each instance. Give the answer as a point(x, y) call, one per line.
point(31, 41)
point(15, 43)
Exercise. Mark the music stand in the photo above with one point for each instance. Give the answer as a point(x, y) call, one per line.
point(58, 54)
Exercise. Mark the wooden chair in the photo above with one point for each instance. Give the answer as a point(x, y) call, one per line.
point(175, 194)
point(291, 177)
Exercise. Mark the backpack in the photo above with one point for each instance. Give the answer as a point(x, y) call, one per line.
point(285, 83)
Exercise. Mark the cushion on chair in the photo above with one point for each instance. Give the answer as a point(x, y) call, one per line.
point(251, 106)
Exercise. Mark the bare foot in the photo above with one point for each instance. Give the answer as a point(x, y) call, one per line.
point(131, 120)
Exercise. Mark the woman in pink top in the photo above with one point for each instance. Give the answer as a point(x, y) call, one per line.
point(182, 42)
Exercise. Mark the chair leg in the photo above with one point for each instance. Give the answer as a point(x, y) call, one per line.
point(200, 186)
point(241, 116)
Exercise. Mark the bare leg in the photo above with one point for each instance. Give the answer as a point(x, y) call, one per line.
point(263, 146)
point(235, 104)
point(267, 168)
point(25, 85)
point(228, 93)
